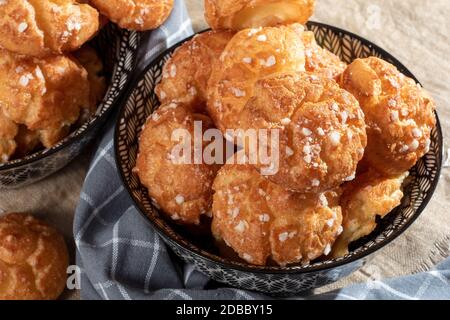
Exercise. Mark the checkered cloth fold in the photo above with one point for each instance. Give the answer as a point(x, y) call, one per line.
point(122, 257)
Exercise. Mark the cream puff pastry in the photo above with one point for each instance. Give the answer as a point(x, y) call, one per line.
point(179, 186)
point(399, 114)
point(42, 27)
point(264, 223)
point(243, 14)
point(321, 129)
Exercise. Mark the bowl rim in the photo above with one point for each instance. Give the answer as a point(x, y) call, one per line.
point(94, 122)
point(275, 270)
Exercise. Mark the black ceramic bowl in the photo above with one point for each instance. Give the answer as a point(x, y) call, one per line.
point(117, 48)
point(142, 101)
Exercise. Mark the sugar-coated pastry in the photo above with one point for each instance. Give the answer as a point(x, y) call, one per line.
point(42, 27)
point(33, 259)
point(319, 60)
point(399, 114)
point(363, 199)
point(263, 222)
point(182, 188)
point(321, 131)
point(242, 14)
point(45, 95)
point(139, 15)
point(89, 59)
point(8, 132)
point(186, 74)
point(249, 56)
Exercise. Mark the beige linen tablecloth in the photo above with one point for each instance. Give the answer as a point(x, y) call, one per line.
point(414, 31)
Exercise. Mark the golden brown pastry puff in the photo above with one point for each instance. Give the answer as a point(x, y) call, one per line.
point(321, 131)
point(399, 114)
point(8, 131)
point(89, 59)
point(186, 74)
point(183, 190)
point(44, 94)
point(42, 27)
point(363, 199)
point(242, 14)
point(137, 15)
point(263, 222)
point(249, 56)
point(320, 60)
point(33, 259)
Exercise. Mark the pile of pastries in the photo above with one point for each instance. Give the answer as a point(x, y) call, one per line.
point(348, 134)
point(50, 78)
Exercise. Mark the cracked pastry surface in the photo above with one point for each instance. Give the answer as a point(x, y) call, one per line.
point(368, 196)
point(263, 222)
point(319, 60)
point(45, 95)
point(186, 73)
point(321, 131)
point(250, 55)
point(42, 27)
point(139, 15)
point(243, 14)
point(399, 114)
point(181, 188)
point(33, 259)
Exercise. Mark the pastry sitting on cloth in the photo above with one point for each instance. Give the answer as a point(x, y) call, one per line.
point(399, 114)
point(242, 14)
point(45, 95)
point(186, 73)
point(369, 196)
point(179, 186)
point(43, 27)
point(139, 15)
point(321, 127)
point(33, 259)
point(251, 55)
point(263, 222)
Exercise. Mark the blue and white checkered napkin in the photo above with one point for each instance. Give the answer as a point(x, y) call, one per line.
point(121, 257)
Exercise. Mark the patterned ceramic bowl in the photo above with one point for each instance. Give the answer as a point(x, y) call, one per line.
point(274, 280)
point(117, 49)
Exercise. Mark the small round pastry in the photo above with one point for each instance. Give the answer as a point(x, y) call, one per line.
point(399, 114)
point(321, 131)
point(45, 94)
point(178, 182)
point(369, 196)
point(89, 59)
point(186, 74)
point(8, 131)
point(139, 15)
point(249, 56)
point(33, 259)
point(242, 14)
point(319, 60)
point(42, 27)
point(264, 223)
